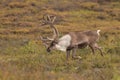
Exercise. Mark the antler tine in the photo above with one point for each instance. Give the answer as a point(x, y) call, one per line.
point(49, 19)
point(48, 16)
point(45, 39)
point(42, 38)
point(53, 19)
point(55, 31)
point(46, 19)
point(51, 39)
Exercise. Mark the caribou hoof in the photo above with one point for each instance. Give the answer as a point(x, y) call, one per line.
point(77, 57)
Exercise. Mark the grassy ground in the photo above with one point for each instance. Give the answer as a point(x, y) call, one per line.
point(23, 57)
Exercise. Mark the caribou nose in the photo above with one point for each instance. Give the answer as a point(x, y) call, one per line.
point(48, 50)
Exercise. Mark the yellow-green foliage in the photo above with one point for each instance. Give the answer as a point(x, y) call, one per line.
point(24, 57)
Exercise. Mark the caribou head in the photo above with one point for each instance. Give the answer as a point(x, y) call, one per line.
point(50, 42)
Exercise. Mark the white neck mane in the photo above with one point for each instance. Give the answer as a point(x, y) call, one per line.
point(63, 43)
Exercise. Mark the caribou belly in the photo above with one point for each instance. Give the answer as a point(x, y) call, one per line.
point(64, 43)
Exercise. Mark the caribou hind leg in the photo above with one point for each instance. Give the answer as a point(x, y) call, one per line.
point(92, 48)
point(99, 48)
point(95, 46)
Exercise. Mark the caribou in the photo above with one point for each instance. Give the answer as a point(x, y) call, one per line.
point(70, 41)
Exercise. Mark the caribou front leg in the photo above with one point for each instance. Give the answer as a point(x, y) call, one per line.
point(68, 54)
point(74, 54)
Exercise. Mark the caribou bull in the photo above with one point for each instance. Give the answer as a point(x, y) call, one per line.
point(70, 41)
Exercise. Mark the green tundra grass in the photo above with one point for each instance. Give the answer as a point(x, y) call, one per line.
point(24, 57)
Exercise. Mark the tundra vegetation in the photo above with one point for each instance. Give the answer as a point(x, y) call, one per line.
point(24, 57)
